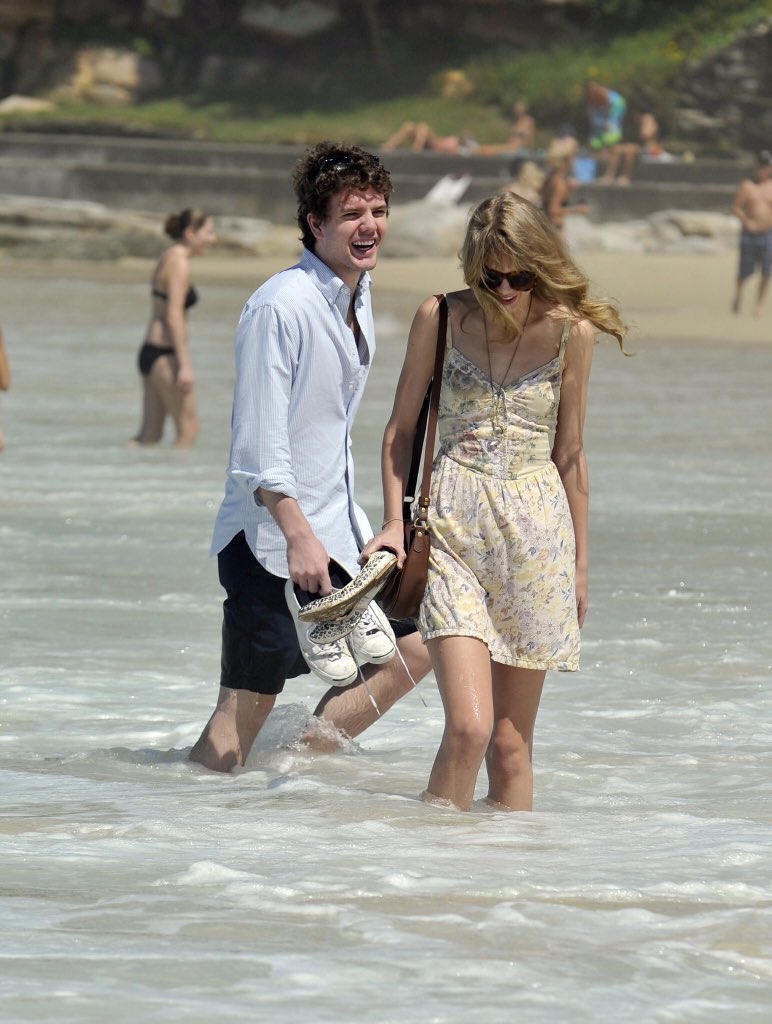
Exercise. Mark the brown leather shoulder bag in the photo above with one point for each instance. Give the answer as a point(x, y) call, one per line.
point(401, 595)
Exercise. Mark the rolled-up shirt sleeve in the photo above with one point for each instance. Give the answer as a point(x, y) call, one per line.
point(266, 359)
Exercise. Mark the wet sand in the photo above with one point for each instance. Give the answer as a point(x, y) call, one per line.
point(665, 297)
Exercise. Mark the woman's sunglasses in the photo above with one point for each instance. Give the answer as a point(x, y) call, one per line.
point(519, 282)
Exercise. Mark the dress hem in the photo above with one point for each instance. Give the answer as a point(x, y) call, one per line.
point(542, 666)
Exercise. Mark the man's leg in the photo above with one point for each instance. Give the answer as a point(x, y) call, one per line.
point(746, 267)
point(765, 261)
point(351, 709)
point(230, 732)
point(259, 653)
point(763, 286)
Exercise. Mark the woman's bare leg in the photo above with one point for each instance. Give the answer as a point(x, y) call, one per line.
point(180, 405)
point(403, 134)
point(153, 415)
point(509, 758)
point(462, 666)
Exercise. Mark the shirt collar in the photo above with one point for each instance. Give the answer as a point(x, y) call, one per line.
point(328, 283)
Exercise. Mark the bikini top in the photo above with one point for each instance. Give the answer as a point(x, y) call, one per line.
point(190, 299)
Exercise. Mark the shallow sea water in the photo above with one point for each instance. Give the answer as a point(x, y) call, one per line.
point(317, 887)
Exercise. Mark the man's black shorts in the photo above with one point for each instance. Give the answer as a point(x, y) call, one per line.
point(260, 648)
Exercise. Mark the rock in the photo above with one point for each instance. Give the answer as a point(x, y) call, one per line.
point(720, 227)
point(425, 229)
point(50, 229)
point(667, 231)
point(110, 76)
point(25, 105)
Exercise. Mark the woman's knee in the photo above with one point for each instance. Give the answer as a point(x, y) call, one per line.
point(468, 737)
point(509, 753)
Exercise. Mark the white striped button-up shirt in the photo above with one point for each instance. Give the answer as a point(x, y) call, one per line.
point(299, 381)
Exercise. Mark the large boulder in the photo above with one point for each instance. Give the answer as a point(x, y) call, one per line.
point(424, 228)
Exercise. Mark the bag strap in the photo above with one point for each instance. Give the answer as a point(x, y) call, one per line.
point(432, 404)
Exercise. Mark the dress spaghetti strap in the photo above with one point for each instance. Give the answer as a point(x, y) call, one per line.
point(448, 330)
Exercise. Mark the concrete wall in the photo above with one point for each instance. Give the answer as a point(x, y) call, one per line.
point(255, 181)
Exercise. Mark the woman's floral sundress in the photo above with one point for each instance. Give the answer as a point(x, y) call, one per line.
point(502, 562)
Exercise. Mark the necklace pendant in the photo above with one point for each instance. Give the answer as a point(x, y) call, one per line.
point(498, 429)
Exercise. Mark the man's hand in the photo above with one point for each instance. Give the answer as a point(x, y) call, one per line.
point(309, 565)
point(307, 558)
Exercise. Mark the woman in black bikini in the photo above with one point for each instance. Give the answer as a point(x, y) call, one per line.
point(164, 359)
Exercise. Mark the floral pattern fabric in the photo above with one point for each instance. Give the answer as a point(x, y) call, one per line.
point(502, 560)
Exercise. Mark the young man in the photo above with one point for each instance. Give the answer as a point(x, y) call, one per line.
point(304, 347)
point(753, 205)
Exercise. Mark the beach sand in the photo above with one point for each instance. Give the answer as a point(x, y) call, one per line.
point(665, 297)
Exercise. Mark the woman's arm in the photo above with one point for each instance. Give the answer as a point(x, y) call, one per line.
point(177, 284)
point(568, 450)
point(417, 371)
point(5, 367)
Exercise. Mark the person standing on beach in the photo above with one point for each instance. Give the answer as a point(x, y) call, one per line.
point(168, 382)
point(508, 570)
point(753, 206)
point(304, 347)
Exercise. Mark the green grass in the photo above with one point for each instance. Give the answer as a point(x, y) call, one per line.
point(643, 65)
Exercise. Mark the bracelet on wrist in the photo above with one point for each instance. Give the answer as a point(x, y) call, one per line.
point(396, 519)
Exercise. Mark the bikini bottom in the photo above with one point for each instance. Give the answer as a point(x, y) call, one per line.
point(148, 355)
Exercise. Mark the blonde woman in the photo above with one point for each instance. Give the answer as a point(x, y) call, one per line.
point(168, 381)
point(507, 590)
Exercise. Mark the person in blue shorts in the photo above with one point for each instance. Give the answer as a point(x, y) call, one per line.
point(753, 207)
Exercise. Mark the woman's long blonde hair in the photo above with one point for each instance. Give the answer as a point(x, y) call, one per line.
point(512, 233)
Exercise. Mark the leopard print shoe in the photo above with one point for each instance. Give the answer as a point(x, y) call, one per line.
point(355, 595)
point(330, 630)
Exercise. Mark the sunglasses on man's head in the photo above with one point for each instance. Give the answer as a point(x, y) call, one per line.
point(519, 282)
point(339, 162)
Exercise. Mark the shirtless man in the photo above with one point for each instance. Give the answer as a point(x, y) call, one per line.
point(753, 205)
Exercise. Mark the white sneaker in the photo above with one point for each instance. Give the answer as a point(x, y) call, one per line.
point(372, 639)
point(332, 662)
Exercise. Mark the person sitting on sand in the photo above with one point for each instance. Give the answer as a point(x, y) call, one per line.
point(421, 138)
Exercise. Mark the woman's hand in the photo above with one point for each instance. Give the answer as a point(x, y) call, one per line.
point(392, 537)
point(582, 595)
point(185, 377)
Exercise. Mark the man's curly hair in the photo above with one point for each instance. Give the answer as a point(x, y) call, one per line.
point(325, 170)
